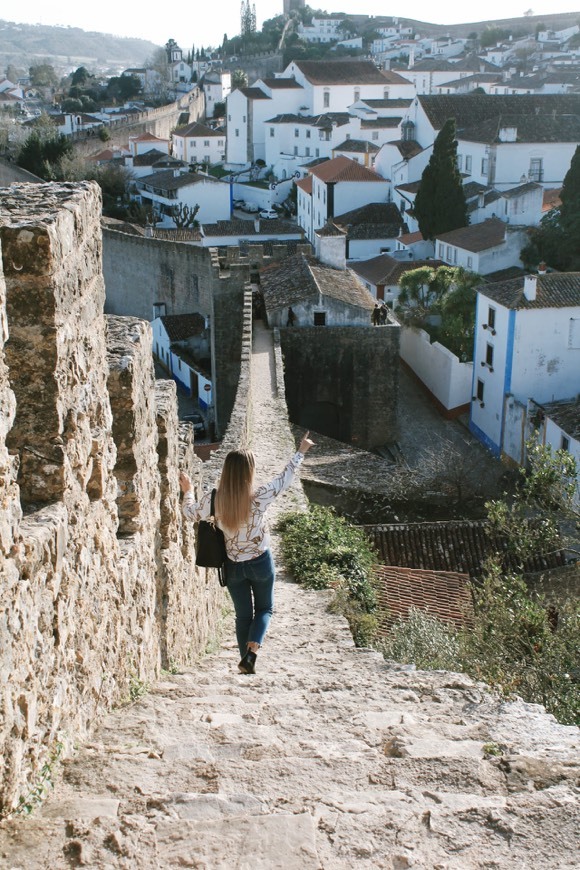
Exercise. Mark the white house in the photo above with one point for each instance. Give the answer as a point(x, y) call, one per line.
point(370, 230)
point(558, 426)
point(197, 143)
point(292, 140)
point(504, 141)
point(216, 87)
point(322, 29)
point(333, 85)
point(242, 232)
point(168, 190)
point(318, 294)
point(248, 108)
point(147, 142)
point(181, 343)
point(483, 248)
point(381, 275)
point(429, 73)
point(338, 186)
point(527, 345)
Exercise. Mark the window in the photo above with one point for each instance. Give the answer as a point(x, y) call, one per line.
point(484, 166)
point(206, 143)
point(308, 134)
point(460, 161)
point(229, 117)
point(296, 149)
point(480, 389)
point(159, 309)
point(348, 135)
point(320, 318)
point(307, 151)
point(489, 355)
point(402, 206)
point(470, 262)
point(237, 132)
point(317, 152)
point(271, 131)
point(448, 252)
point(375, 135)
point(536, 172)
point(565, 443)
point(296, 132)
point(468, 164)
point(385, 93)
point(326, 99)
point(491, 317)
point(441, 251)
point(244, 119)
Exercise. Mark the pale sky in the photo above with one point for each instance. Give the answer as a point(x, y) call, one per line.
point(204, 24)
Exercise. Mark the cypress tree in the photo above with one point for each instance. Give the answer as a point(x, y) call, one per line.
point(570, 211)
point(440, 201)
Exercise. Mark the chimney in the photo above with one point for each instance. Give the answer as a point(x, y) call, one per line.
point(530, 285)
point(542, 268)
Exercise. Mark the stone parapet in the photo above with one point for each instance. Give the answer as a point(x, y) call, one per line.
point(97, 569)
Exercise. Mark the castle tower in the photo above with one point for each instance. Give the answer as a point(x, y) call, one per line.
point(289, 5)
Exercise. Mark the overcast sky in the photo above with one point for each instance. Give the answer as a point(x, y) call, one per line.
point(203, 23)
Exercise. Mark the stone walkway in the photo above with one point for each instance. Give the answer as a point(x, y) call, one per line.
point(327, 759)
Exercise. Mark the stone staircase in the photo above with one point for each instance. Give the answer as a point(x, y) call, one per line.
point(328, 757)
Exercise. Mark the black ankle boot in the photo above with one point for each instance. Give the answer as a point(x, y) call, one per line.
point(248, 663)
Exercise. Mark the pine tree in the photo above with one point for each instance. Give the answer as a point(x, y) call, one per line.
point(440, 201)
point(570, 211)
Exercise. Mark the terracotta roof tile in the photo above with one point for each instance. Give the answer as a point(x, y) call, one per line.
point(554, 290)
point(566, 415)
point(336, 72)
point(299, 278)
point(197, 130)
point(357, 146)
point(254, 93)
point(443, 594)
point(447, 546)
point(478, 237)
point(276, 84)
point(180, 327)
point(344, 169)
point(305, 184)
point(387, 270)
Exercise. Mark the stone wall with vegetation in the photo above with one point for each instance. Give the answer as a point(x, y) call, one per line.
point(98, 583)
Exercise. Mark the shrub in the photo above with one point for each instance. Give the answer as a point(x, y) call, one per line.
point(423, 640)
point(323, 551)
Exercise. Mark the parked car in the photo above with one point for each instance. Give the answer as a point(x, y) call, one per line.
point(268, 214)
point(197, 421)
point(239, 203)
point(251, 207)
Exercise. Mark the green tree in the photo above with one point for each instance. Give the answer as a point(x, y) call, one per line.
point(239, 79)
point(81, 77)
point(42, 75)
point(123, 87)
point(184, 216)
point(440, 201)
point(43, 152)
point(570, 211)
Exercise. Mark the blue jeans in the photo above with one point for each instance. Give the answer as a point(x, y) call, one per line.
point(251, 586)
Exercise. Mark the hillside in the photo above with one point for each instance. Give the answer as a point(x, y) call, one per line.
point(23, 44)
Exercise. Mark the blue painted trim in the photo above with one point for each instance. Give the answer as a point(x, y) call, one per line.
point(509, 360)
point(202, 404)
point(485, 439)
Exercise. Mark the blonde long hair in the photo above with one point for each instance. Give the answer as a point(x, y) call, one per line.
point(234, 493)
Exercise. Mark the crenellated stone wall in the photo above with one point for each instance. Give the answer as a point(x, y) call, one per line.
point(98, 584)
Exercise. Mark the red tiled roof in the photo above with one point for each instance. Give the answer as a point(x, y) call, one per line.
point(305, 184)
point(180, 327)
point(146, 137)
point(443, 594)
point(344, 169)
point(336, 72)
point(552, 199)
point(197, 130)
point(409, 238)
point(477, 237)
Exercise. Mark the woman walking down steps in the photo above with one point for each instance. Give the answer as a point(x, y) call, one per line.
point(240, 513)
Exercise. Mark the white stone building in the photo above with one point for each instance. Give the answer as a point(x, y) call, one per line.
point(198, 143)
point(216, 87)
point(335, 187)
point(484, 248)
point(168, 190)
point(527, 346)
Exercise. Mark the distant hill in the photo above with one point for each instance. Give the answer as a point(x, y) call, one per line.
point(524, 24)
point(24, 44)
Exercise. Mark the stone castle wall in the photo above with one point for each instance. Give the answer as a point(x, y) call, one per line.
point(344, 381)
point(97, 569)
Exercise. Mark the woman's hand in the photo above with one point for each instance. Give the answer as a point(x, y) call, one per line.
point(184, 482)
point(306, 444)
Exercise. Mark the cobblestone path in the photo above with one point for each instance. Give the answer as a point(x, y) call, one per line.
point(327, 758)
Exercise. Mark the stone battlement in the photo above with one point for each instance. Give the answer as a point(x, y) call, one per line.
point(97, 570)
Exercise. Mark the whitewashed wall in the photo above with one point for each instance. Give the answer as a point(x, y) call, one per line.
point(448, 379)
